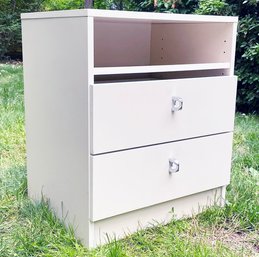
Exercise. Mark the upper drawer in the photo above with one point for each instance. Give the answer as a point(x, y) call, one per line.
point(127, 115)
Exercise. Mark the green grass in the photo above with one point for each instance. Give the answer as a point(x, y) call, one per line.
point(28, 229)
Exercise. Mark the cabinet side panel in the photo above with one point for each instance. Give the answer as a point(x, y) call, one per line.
point(56, 106)
point(121, 43)
point(233, 49)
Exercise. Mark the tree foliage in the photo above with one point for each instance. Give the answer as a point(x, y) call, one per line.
point(173, 6)
point(50, 5)
point(10, 26)
point(212, 7)
point(247, 64)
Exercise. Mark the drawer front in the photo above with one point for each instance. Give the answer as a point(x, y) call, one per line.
point(128, 180)
point(127, 115)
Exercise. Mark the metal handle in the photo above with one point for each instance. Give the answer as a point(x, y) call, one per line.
point(177, 104)
point(174, 166)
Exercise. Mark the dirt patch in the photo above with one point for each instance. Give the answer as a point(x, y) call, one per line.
point(245, 243)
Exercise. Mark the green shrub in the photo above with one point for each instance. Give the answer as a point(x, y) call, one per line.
point(213, 7)
point(10, 25)
point(247, 65)
point(183, 6)
point(51, 5)
point(170, 6)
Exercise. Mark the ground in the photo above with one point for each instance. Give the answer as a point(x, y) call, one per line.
point(28, 229)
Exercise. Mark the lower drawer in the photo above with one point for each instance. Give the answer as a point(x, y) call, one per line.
point(128, 180)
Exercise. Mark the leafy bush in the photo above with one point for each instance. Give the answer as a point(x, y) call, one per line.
point(116, 4)
point(173, 6)
point(247, 65)
point(50, 5)
point(10, 26)
point(213, 7)
point(170, 6)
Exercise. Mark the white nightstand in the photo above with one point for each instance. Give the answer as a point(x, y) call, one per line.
point(129, 116)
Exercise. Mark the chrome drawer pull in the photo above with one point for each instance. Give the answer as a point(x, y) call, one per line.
point(174, 166)
point(177, 104)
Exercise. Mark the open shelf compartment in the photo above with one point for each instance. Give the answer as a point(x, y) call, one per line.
point(132, 47)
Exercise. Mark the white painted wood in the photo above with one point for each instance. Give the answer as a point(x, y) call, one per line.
point(126, 15)
point(129, 180)
point(121, 44)
point(90, 79)
point(122, 225)
point(191, 43)
point(127, 115)
point(223, 196)
point(159, 68)
point(56, 96)
point(90, 51)
point(233, 48)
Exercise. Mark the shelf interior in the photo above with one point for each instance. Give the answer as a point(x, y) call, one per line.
point(122, 45)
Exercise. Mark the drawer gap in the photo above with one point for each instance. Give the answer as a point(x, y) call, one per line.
point(162, 143)
point(134, 77)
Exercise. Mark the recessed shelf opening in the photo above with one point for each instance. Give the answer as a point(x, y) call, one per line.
point(119, 43)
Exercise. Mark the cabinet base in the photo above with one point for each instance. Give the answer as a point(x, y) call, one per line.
point(121, 225)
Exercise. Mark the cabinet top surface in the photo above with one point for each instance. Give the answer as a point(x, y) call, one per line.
point(129, 16)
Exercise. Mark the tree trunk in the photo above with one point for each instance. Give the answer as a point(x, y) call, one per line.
point(121, 5)
point(89, 3)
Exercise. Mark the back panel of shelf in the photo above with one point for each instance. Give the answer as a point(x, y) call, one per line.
point(189, 43)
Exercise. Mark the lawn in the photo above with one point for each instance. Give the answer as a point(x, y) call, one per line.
point(27, 229)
